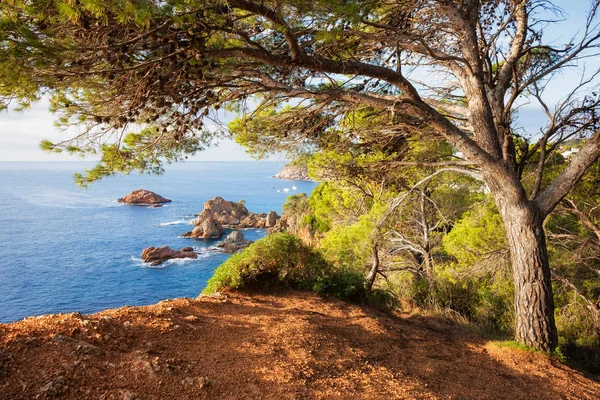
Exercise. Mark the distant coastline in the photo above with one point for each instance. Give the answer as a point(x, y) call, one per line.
point(294, 173)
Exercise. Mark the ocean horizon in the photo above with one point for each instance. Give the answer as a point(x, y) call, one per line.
point(69, 249)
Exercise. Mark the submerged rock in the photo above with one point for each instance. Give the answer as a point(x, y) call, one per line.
point(234, 242)
point(158, 255)
point(219, 213)
point(144, 197)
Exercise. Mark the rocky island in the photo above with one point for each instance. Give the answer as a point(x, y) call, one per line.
point(142, 197)
point(158, 255)
point(219, 213)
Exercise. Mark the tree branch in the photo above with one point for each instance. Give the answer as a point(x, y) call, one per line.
point(569, 177)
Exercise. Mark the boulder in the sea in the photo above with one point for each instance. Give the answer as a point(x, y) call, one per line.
point(143, 197)
point(272, 218)
point(219, 213)
point(253, 221)
point(208, 228)
point(228, 213)
point(158, 255)
point(234, 242)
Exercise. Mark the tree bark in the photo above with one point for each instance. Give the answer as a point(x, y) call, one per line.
point(534, 302)
point(596, 315)
point(374, 269)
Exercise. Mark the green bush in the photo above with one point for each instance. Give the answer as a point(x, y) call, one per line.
point(345, 283)
point(576, 338)
point(486, 300)
point(281, 259)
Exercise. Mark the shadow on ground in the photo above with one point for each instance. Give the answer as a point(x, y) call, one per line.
point(289, 345)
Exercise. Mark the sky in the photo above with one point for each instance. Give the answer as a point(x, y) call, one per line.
point(21, 133)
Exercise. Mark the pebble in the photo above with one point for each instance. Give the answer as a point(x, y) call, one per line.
point(129, 395)
point(199, 381)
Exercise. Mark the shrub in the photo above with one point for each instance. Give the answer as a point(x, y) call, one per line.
point(281, 259)
point(345, 283)
point(278, 258)
point(484, 299)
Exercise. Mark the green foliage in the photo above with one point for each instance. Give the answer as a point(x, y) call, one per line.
point(479, 284)
point(138, 152)
point(330, 204)
point(511, 344)
point(282, 259)
point(301, 160)
point(351, 245)
point(345, 283)
point(478, 236)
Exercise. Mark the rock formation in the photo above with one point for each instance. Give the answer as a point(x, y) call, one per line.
point(219, 213)
point(272, 218)
point(158, 255)
point(294, 173)
point(208, 228)
point(142, 197)
point(234, 242)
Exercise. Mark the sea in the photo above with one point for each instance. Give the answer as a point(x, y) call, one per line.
point(68, 249)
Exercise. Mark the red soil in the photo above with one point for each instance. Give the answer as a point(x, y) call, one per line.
point(292, 345)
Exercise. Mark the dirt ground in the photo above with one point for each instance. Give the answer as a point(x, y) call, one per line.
point(290, 345)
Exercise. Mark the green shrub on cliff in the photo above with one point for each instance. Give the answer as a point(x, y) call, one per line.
point(282, 259)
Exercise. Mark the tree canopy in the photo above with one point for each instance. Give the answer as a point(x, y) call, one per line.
point(143, 81)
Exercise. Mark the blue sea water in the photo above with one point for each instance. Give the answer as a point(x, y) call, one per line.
point(66, 249)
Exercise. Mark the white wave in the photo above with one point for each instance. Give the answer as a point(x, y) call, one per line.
point(202, 252)
point(294, 188)
point(286, 190)
point(141, 263)
point(177, 222)
point(205, 252)
point(180, 261)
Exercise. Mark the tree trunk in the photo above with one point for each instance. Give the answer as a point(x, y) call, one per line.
point(427, 263)
point(534, 302)
point(374, 269)
point(429, 275)
point(596, 316)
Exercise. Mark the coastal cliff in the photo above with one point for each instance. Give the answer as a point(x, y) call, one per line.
point(281, 345)
point(293, 172)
